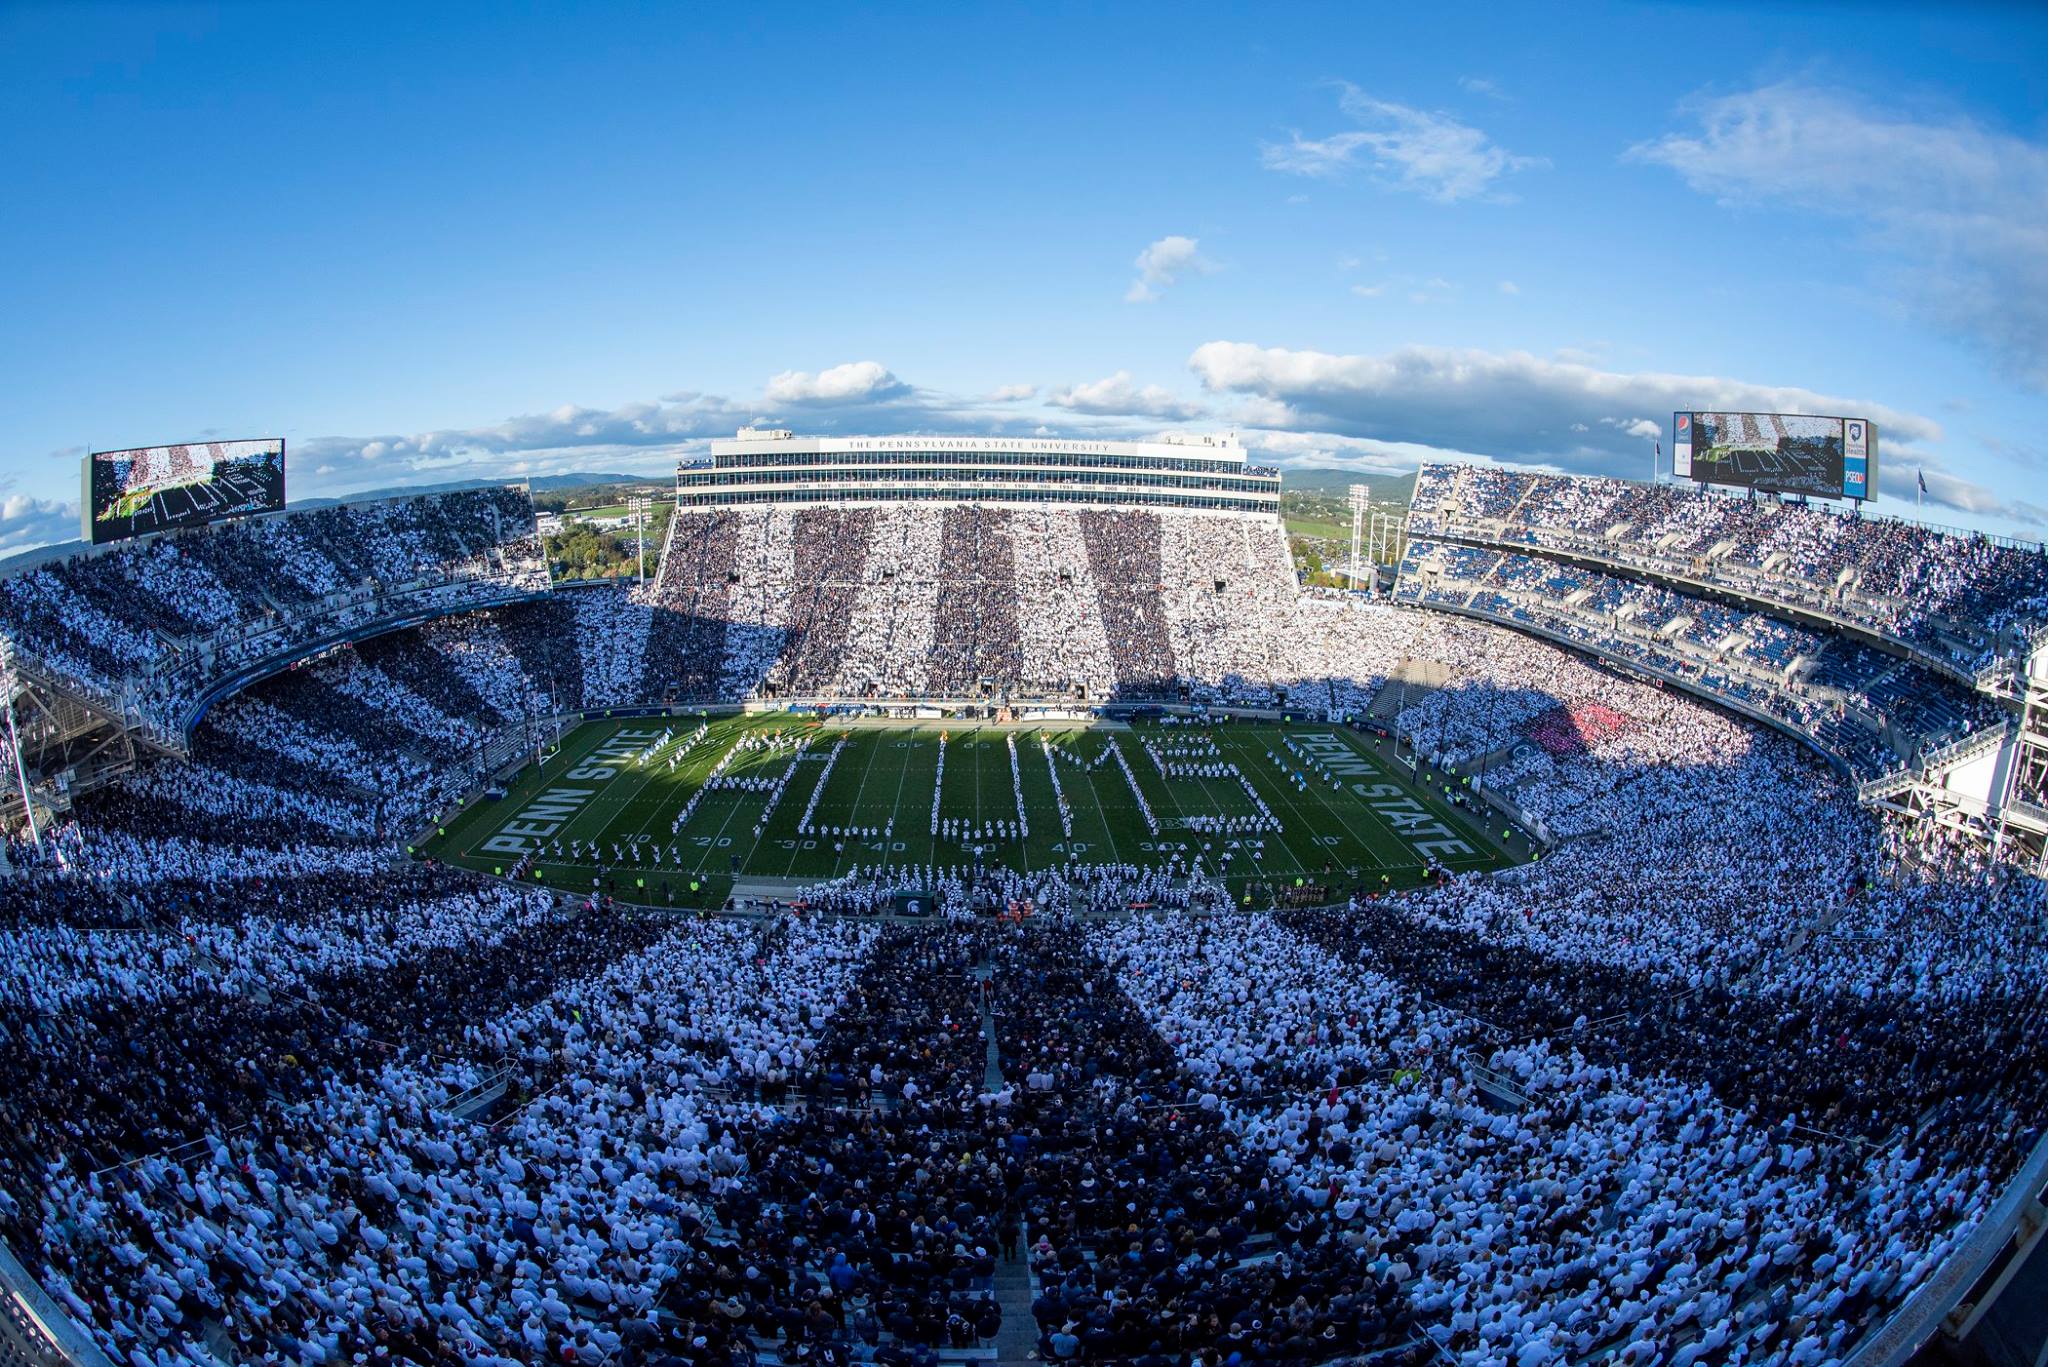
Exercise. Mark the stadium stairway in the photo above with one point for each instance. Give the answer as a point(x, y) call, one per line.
point(473, 1103)
point(1017, 1341)
point(1421, 677)
point(992, 1080)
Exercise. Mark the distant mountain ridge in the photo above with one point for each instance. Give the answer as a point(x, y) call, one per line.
point(1385, 488)
point(541, 484)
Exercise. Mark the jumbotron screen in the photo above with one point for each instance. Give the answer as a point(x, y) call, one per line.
point(158, 488)
point(1780, 453)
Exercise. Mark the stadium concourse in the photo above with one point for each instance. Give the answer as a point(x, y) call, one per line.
point(1727, 1076)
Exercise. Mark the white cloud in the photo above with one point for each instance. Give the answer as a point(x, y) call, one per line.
point(1332, 451)
point(1416, 289)
point(647, 437)
point(1119, 396)
point(665, 422)
point(1479, 85)
point(1509, 287)
point(1258, 411)
point(1895, 479)
point(1429, 154)
point(1519, 408)
point(1163, 263)
point(1394, 411)
point(1301, 156)
point(27, 522)
point(634, 437)
point(1953, 208)
point(854, 382)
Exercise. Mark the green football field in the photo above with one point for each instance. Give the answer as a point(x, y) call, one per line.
point(605, 805)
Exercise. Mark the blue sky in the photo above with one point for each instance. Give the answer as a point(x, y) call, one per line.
point(432, 242)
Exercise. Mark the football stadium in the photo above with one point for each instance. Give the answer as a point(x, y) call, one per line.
point(972, 904)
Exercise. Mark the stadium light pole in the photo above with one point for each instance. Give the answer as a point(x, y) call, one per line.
point(638, 503)
point(1361, 508)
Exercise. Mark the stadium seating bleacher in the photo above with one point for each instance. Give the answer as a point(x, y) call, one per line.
point(1725, 1075)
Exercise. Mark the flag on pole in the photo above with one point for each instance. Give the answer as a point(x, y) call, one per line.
point(1922, 476)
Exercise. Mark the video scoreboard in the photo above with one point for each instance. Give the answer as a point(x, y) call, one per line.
point(147, 489)
point(1780, 453)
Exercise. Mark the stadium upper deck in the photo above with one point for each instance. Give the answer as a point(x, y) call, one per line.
point(152, 630)
point(1966, 604)
point(762, 465)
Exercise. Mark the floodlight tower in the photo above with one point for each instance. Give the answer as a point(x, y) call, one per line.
point(1361, 508)
point(638, 504)
point(1389, 538)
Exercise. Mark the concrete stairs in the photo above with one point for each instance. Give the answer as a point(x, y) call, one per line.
point(1018, 1341)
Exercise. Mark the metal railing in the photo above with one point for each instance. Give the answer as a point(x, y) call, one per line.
point(1916, 1321)
point(1963, 745)
point(35, 1327)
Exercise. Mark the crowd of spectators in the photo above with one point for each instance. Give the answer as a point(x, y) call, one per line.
point(697, 646)
point(890, 624)
point(146, 628)
point(975, 636)
point(828, 552)
point(1722, 1077)
point(1871, 710)
point(1053, 602)
point(1063, 644)
point(1727, 1122)
point(1227, 585)
point(1125, 556)
point(1962, 600)
point(967, 601)
point(1521, 1200)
